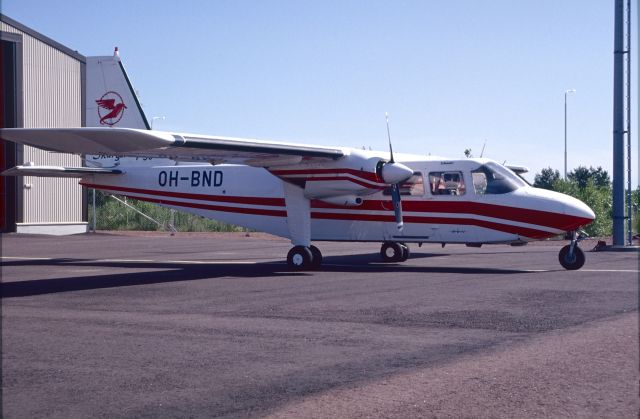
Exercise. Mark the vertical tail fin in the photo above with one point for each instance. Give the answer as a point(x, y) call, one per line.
point(111, 99)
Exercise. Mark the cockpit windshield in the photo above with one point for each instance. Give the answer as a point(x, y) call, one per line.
point(493, 179)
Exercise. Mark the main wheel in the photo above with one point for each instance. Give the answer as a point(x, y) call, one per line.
point(571, 262)
point(316, 256)
point(391, 252)
point(405, 252)
point(300, 257)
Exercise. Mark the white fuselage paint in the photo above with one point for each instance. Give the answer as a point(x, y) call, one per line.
point(254, 198)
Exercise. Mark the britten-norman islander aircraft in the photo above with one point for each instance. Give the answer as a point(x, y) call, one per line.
point(302, 192)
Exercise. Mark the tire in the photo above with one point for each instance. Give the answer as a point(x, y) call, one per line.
point(405, 252)
point(571, 263)
point(300, 258)
point(391, 252)
point(316, 256)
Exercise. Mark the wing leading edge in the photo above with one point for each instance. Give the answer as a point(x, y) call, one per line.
point(126, 142)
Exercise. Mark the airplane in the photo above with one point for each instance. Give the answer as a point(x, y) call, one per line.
point(306, 193)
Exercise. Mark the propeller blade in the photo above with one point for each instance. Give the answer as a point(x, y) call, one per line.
point(386, 115)
point(397, 205)
point(395, 173)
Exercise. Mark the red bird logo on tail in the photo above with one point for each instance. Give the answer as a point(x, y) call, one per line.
point(110, 108)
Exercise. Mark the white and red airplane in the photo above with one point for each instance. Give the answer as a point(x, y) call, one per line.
point(302, 192)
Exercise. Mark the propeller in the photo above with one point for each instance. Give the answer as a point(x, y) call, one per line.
point(395, 174)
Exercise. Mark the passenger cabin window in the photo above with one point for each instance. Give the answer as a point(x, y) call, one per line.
point(412, 187)
point(493, 179)
point(446, 183)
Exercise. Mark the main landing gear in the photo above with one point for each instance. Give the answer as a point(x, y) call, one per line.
point(394, 252)
point(571, 257)
point(304, 258)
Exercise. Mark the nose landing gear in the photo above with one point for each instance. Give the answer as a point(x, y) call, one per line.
point(571, 257)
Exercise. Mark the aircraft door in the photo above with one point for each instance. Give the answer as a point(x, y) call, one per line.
point(450, 195)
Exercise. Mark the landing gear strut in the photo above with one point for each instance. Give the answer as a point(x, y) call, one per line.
point(571, 257)
point(394, 252)
point(304, 258)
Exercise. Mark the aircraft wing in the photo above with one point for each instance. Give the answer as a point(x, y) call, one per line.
point(57, 171)
point(127, 142)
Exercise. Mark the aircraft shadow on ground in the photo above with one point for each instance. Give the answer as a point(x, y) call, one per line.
point(164, 272)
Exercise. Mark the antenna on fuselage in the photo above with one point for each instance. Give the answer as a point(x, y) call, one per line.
point(483, 146)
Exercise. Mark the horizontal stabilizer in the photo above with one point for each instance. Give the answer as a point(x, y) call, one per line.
point(58, 171)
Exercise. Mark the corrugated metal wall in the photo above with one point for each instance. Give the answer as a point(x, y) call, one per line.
point(52, 88)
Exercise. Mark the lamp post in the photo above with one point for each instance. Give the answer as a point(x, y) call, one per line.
point(565, 130)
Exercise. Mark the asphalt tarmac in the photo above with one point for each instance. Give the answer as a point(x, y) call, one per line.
point(215, 325)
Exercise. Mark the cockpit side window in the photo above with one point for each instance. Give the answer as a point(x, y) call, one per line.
point(492, 179)
point(446, 183)
point(414, 186)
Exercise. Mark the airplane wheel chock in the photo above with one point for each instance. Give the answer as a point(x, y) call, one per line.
point(394, 252)
point(301, 257)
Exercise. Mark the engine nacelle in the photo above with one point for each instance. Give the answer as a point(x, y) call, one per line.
point(345, 200)
point(358, 173)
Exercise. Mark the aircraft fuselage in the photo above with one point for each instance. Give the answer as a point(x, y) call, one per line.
point(446, 201)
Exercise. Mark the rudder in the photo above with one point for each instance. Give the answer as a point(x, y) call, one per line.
point(110, 97)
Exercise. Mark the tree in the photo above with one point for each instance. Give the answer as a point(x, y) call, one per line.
point(582, 176)
point(467, 153)
point(546, 178)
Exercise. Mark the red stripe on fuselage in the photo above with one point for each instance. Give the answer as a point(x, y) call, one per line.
point(345, 178)
point(221, 208)
point(275, 202)
point(550, 219)
point(506, 228)
point(370, 176)
point(523, 215)
point(542, 218)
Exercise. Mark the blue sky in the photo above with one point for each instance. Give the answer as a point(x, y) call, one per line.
point(450, 74)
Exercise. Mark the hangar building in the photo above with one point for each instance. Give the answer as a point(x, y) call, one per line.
point(42, 84)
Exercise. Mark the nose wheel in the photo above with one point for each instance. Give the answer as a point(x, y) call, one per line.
point(571, 257)
point(303, 258)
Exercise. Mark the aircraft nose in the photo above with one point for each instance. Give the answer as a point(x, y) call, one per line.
point(571, 212)
point(579, 209)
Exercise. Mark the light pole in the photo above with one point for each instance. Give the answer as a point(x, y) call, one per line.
point(565, 130)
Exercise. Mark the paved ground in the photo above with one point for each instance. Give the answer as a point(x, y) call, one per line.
point(216, 326)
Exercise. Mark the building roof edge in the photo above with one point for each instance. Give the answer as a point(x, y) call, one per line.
point(43, 38)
